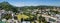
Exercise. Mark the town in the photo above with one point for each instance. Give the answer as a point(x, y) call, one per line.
point(29, 14)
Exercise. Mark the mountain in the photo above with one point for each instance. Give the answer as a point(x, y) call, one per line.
point(8, 7)
point(5, 5)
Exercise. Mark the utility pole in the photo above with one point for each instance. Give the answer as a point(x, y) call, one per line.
point(0, 16)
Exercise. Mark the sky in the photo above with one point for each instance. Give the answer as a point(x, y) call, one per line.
point(20, 3)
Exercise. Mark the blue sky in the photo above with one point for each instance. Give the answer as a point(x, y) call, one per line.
point(33, 2)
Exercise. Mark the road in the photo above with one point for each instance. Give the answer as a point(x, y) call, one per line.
point(50, 17)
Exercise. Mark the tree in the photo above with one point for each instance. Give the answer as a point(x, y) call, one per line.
point(7, 16)
point(42, 19)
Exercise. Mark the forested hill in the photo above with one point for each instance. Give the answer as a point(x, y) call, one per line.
point(8, 7)
point(38, 7)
